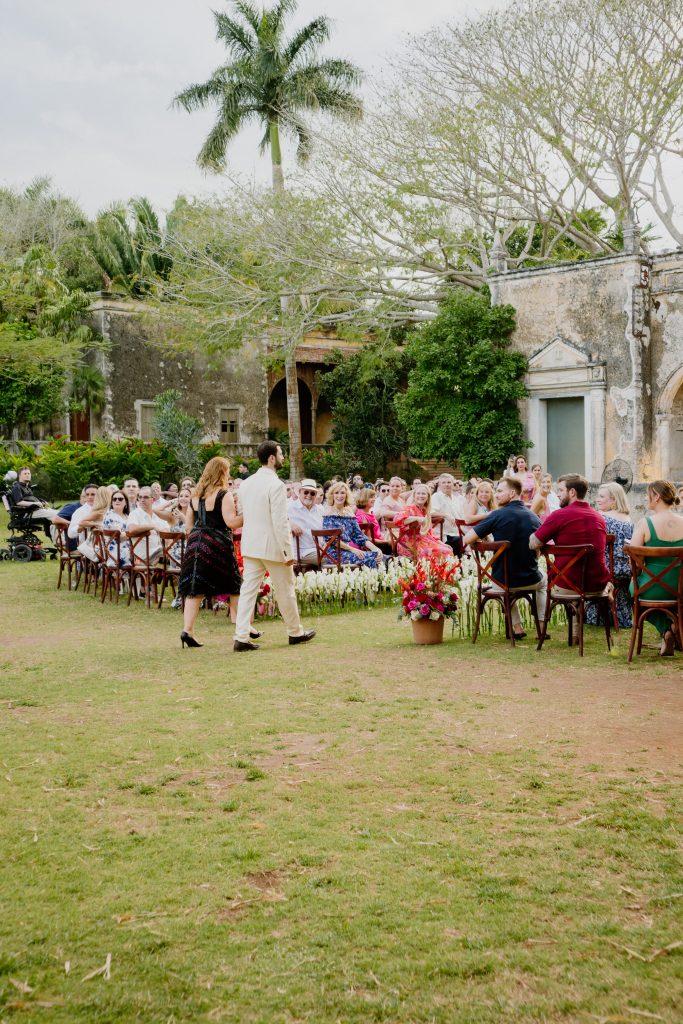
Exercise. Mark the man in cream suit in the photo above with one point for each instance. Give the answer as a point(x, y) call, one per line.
point(267, 547)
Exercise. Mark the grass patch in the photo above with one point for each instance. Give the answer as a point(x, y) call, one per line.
point(428, 839)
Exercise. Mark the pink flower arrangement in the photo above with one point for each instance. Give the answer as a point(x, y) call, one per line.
point(429, 589)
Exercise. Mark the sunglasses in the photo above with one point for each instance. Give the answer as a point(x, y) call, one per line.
point(309, 492)
point(118, 497)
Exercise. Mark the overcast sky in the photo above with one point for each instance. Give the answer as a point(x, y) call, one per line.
point(87, 87)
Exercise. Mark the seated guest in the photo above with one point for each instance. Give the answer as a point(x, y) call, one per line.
point(356, 482)
point(416, 538)
point(381, 492)
point(575, 522)
point(131, 489)
point(89, 518)
point(187, 481)
point(513, 521)
point(158, 500)
point(66, 513)
point(340, 514)
point(171, 492)
point(242, 471)
point(143, 519)
point(392, 502)
point(305, 514)
point(116, 518)
point(480, 502)
point(613, 506)
point(662, 528)
point(22, 497)
point(365, 500)
point(447, 503)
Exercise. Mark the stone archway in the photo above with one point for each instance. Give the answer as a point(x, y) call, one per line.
point(670, 427)
point(277, 409)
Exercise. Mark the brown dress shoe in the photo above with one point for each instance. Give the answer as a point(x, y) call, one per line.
point(245, 645)
point(304, 638)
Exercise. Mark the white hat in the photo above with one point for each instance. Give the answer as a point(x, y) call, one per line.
point(308, 483)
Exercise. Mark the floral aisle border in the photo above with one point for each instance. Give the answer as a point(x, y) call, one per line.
point(332, 592)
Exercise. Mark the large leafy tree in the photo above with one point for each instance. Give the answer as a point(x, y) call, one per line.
point(275, 81)
point(361, 390)
point(464, 385)
point(42, 338)
point(126, 242)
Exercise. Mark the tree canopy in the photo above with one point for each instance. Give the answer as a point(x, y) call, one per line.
point(464, 385)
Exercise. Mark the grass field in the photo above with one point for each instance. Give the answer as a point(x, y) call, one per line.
point(354, 830)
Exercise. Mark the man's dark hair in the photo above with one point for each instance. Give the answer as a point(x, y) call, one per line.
point(265, 450)
point(514, 483)
point(91, 486)
point(22, 468)
point(575, 482)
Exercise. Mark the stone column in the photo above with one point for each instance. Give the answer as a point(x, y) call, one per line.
point(663, 457)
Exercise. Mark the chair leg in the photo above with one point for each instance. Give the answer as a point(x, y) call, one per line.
point(570, 625)
point(608, 624)
point(507, 612)
point(544, 625)
point(534, 613)
point(580, 617)
point(476, 625)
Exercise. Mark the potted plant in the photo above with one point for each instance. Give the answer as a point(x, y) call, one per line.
point(429, 595)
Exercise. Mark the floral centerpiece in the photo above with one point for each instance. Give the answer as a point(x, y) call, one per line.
point(429, 594)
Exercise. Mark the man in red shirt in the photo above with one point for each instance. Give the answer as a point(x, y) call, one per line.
point(575, 522)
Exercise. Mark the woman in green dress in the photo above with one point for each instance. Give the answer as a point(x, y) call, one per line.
point(662, 528)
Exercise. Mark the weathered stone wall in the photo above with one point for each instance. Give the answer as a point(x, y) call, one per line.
point(137, 371)
point(610, 330)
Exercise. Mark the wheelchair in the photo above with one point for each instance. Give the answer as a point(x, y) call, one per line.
point(24, 544)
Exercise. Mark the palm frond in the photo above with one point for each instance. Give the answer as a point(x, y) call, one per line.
point(236, 37)
point(307, 39)
point(277, 16)
point(200, 95)
point(250, 12)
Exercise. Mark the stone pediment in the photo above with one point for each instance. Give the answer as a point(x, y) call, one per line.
point(559, 354)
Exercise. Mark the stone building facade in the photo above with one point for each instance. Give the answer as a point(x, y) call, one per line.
point(238, 400)
point(604, 341)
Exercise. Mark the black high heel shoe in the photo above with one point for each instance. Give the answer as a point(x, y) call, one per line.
point(185, 638)
point(254, 634)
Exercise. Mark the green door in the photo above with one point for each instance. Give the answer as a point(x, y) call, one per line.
point(565, 432)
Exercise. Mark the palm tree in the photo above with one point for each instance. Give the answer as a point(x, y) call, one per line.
point(125, 243)
point(273, 81)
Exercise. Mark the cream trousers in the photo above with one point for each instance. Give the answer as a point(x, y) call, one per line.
point(282, 581)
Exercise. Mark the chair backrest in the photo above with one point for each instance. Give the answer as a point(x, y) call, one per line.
point(107, 537)
point(99, 543)
point(387, 522)
point(576, 556)
point(172, 552)
point(437, 524)
point(497, 549)
point(645, 578)
point(368, 529)
point(611, 540)
point(140, 551)
point(328, 546)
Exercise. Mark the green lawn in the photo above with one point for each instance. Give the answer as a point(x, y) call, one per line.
point(354, 830)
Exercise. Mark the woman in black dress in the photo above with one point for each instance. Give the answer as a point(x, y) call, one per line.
point(209, 566)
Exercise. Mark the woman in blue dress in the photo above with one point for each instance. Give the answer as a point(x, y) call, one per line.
point(612, 504)
point(340, 514)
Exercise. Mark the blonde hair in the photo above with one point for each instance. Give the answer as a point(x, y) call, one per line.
point(425, 526)
point(338, 486)
point(215, 477)
point(101, 503)
point(488, 483)
point(364, 497)
point(618, 494)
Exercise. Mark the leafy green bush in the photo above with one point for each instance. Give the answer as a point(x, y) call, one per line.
point(63, 467)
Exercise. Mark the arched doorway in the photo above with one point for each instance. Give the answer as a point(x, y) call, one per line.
point(670, 428)
point(323, 422)
point(277, 409)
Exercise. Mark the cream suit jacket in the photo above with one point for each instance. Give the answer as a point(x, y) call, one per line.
point(266, 533)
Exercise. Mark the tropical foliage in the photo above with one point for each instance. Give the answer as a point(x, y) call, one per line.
point(464, 385)
point(126, 242)
point(361, 390)
point(42, 338)
point(181, 433)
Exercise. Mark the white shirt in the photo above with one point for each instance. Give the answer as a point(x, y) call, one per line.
point(553, 501)
point(307, 520)
point(451, 508)
point(84, 512)
point(139, 517)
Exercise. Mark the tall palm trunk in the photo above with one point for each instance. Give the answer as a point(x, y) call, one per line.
point(296, 455)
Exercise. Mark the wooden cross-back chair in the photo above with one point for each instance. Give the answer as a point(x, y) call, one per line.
point(506, 596)
point(328, 548)
point(645, 578)
point(170, 562)
point(565, 592)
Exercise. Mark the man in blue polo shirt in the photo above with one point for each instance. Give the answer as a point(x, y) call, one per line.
point(513, 521)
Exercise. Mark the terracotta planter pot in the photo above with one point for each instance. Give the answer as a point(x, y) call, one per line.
point(428, 631)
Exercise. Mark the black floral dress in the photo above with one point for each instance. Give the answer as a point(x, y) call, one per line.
point(209, 566)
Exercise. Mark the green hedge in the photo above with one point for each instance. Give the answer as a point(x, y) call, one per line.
point(63, 467)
